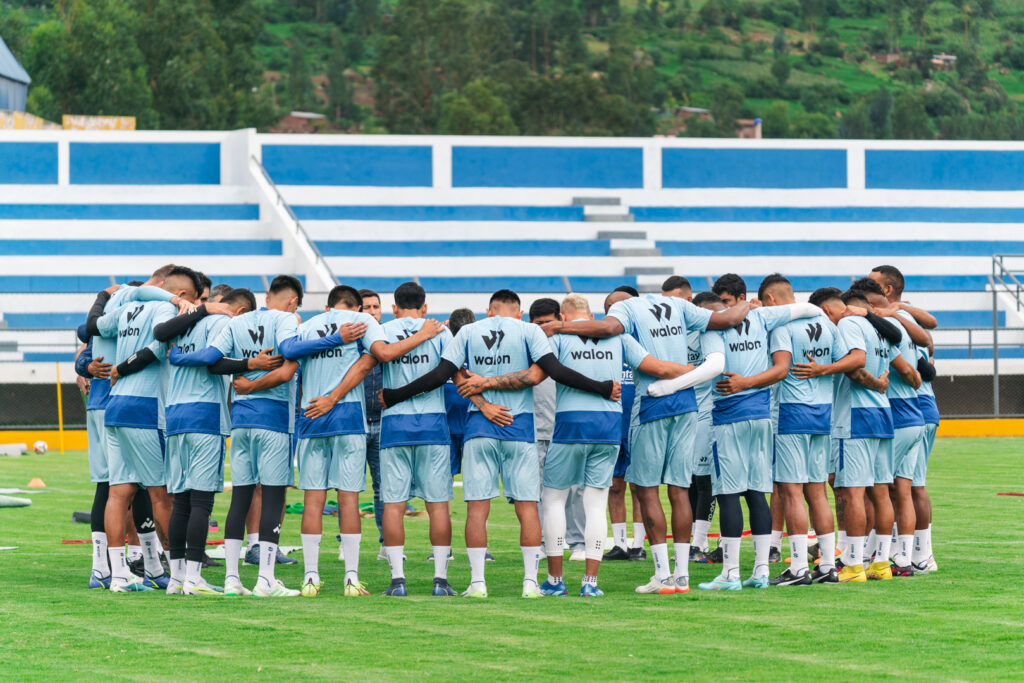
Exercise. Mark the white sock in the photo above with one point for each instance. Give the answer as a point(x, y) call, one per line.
point(827, 546)
point(394, 555)
point(776, 541)
point(351, 544)
point(700, 534)
point(895, 534)
point(841, 541)
point(193, 571)
point(904, 549)
point(476, 564)
point(588, 579)
point(232, 554)
point(251, 540)
point(268, 560)
point(922, 545)
point(638, 534)
point(311, 557)
point(553, 579)
point(134, 552)
point(797, 553)
point(150, 554)
point(682, 552)
point(178, 569)
point(730, 558)
point(852, 552)
point(619, 534)
point(100, 561)
point(762, 544)
point(441, 553)
point(659, 551)
point(160, 548)
point(531, 561)
point(118, 563)
point(884, 543)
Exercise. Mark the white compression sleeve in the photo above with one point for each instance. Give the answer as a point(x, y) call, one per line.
point(595, 501)
point(554, 520)
point(802, 310)
point(712, 367)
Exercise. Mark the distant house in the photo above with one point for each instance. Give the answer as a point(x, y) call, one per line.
point(699, 112)
point(14, 81)
point(943, 62)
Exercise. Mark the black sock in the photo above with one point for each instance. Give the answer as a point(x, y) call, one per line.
point(179, 525)
point(730, 515)
point(270, 516)
point(760, 513)
point(241, 499)
point(198, 525)
point(99, 507)
point(142, 512)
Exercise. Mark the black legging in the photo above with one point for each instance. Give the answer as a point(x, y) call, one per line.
point(99, 507)
point(731, 514)
point(270, 515)
point(701, 501)
point(142, 512)
point(241, 499)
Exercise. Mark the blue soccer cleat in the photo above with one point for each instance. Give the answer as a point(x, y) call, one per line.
point(756, 582)
point(157, 582)
point(548, 588)
point(397, 589)
point(99, 582)
point(442, 588)
point(590, 590)
point(721, 583)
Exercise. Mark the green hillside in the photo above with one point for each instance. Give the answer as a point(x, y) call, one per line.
point(808, 68)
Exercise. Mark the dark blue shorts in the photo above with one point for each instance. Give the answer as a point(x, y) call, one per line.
point(456, 453)
point(623, 460)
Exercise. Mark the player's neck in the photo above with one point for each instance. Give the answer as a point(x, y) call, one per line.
point(407, 313)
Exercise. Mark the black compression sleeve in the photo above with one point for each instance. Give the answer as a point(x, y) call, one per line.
point(137, 361)
point(885, 328)
point(229, 366)
point(926, 369)
point(95, 313)
point(176, 326)
point(428, 382)
point(570, 378)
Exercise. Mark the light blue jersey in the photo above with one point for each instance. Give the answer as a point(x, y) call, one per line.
point(695, 357)
point(859, 412)
point(746, 353)
point(197, 401)
point(137, 400)
point(805, 405)
point(583, 417)
point(422, 419)
point(906, 411)
point(324, 370)
point(497, 346)
point(99, 389)
point(661, 325)
point(244, 337)
point(926, 395)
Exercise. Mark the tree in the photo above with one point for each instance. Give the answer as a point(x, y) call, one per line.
point(339, 91)
point(781, 70)
point(779, 46)
point(909, 120)
point(918, 9)
point(475, 111)
point(880, 114)
point(726, 105)
point(856, 123)
point(776, 121)
point(300, 82)
point(813, 126)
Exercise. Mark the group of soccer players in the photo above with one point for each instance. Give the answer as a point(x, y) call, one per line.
point(713, 396)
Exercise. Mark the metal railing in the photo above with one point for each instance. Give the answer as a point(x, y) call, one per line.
point(1003, 280)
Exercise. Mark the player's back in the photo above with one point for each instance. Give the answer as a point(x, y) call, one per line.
point(805, 404)
point(196, 400)
point(422, 419)
point(926, 394)
point(137, 399)
point(746, 353)
point(106, 348)
point(864, 412)
point(581, 415)
point(903, 401)
point(695, 357)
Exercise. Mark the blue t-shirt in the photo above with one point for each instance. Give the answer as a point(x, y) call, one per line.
point(859, 412)
point(583, 417)
point(197, 401)
point(805, 405)
point(456, 409)
point(422, 418)
point(497, 346)
point(661, 324)
point(903, 401)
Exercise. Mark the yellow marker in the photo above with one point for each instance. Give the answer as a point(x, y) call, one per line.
point(60, 412)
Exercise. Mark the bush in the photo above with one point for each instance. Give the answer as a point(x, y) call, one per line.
point(830, 47)
point(784, 19)
point(688, 51)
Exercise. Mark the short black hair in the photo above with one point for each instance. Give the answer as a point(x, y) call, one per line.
point(866, 284)
point(410, 296)
point(505, 296)
point(823, 294)
point(542, 307)
point(706, 298)
point(366, 293)
point(730, 283)
point(204, 282)
point(345, 294)
point(162, 272)
point(192, 275)
point(239, 295)
point(675, 282)
point(283, 282)
point(220, 290)
point(854, 295)
point(459, 318)
point(773, 279)
point(893, 277)
point(628, 289)
point(135, 283)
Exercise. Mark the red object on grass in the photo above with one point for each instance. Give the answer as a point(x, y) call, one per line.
point(1012, 493)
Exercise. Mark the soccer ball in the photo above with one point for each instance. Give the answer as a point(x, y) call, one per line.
point(40, 446)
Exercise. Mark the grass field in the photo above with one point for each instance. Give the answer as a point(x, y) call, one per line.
point(965, 622)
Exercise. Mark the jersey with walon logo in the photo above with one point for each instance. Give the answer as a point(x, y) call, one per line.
point(695, 356)
point(421, 419)
point(324, 370)
point(196, 399)
point(805, 405)
point(746, 353)
point(859, 412)
point(244, 337)
point(906, 410)
point(497, 346)
point(583, 417)
point(661, 325)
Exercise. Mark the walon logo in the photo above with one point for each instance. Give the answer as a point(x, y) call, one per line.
point(257, 335)
point(494, 341)
point(743, 327)
point(329, 328)
point(814, 331)
point(658, 314)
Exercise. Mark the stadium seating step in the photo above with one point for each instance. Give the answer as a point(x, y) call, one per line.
point(608, 218)
point(638, 251)
point(596, 201)
point(649, 270)
point(621, 235)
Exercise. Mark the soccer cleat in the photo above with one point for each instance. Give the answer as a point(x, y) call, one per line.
point(201, 588)
point(696, 553)
point(174, 587)
point(721, 583)
point(397, 589)
point(210, 562)
point(252, 554)
point(277, 590)
point(137, 567)
point(548, 588)
point(355, 589)
point(920, 568)
point(383, 556)
point(284, 559)
point(578, 556)
point(451, 556)
point(234, 588)
point(157, 582)
point(132, 584)
point(310, 589)
point(756, 582)
point(590, 590)
point(637, 554)
point(879, 571)
point(655, 586)
point(933, 566)
point(788, 578)
point(901, 571)
point(488, 557)
point(774, 555)
point(532, 590)
point(99, 582)
point(442, 588)
point(853, 573)
point(476, 590)
point(839, 564)
point(713, 557)
point(616, 553)
point(831, 576)
point(682, 584)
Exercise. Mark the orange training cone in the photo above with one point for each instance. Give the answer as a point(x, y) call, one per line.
point(36, 483)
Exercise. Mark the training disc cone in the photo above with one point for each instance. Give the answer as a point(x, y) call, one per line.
point(36, 483)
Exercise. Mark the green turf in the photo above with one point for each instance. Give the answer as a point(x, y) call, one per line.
point(966, 622)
